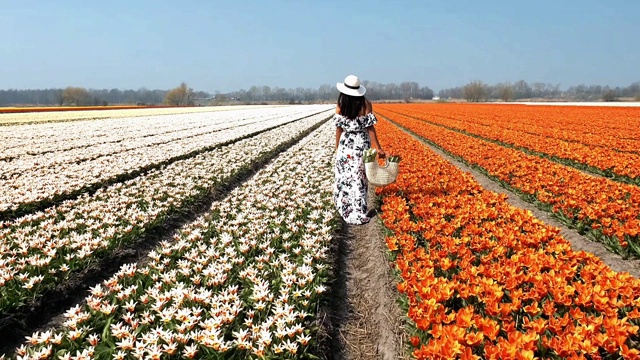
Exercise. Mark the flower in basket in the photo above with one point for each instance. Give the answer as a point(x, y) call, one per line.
point(394, 158)
point(380, 175)
point(370, 155)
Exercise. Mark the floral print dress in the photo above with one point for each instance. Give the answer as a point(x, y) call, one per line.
point(351, 185)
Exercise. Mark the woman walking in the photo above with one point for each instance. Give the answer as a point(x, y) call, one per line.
point(355, 133)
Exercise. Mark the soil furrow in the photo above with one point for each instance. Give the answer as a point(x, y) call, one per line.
point(367, 319)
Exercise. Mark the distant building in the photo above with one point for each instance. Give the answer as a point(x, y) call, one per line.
point(435, 98)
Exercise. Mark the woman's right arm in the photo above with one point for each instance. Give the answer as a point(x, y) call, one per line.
point(338, 129)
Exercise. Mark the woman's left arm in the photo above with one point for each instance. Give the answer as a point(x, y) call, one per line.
point(374, 141)
point(372, 132)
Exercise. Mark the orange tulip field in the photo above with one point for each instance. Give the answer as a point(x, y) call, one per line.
point(482, 279)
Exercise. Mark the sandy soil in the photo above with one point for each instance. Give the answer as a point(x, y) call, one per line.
point(369, 321)
point(578, 242)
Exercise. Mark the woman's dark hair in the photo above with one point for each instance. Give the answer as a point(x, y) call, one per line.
point(350, 106)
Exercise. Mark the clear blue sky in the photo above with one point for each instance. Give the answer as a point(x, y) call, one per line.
point(228, 45)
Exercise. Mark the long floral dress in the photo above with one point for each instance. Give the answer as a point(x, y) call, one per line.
point(351, 185)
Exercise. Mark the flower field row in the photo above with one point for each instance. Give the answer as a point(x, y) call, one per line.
point(15, 110)
point(47, 185)
point(17, 166)
point(485, 280)
point(37, 139)
point(611, 128)
point(11, 119)
point(606, 210)
point(32, 140)
point(40, 250)
point(242, 281)
point(601, 160)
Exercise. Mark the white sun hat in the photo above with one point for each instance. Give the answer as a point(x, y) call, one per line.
point(351, 86)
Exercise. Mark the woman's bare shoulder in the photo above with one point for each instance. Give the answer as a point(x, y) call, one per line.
point(368, 106)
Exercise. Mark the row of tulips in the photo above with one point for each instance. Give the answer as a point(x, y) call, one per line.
point(25, 166)
point(39, 251)
point(29, 109)
point(607, 127)
point(605, 161)
point(9, 119)
point(38, 139)
point(606, 210)
point(45, 186)
point(243, 281)
point(481, 279)
point(121, 141)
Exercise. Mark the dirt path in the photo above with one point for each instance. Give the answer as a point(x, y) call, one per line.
point(374, 329)
point(578, 242)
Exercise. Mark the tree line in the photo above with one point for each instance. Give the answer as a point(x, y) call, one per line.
point(80, 96)
point(405, 91)
point(326, 92)
point(479, 91)
point(184, 95)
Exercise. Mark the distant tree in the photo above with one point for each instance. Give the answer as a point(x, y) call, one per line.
point(115, 96)
point(475, 91)
point(254, 93)
point(454, 93)
point(632, 90)
point(538, 89)
point(409, 89)
point(77, 96)
point(609, 95)
point(327, 92)
point(58, 97)
point(522, 90)
point(180, 96)
point(266, 93)
point(391, 91)
point(426, 93)
point(279, 94)
point(637, 98)
point(505, 92)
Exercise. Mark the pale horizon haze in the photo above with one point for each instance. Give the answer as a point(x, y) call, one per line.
point(231, 45)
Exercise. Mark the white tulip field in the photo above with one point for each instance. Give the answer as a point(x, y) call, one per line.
point(244, 279)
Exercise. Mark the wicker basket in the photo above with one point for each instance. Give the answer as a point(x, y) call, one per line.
point(381, 175)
